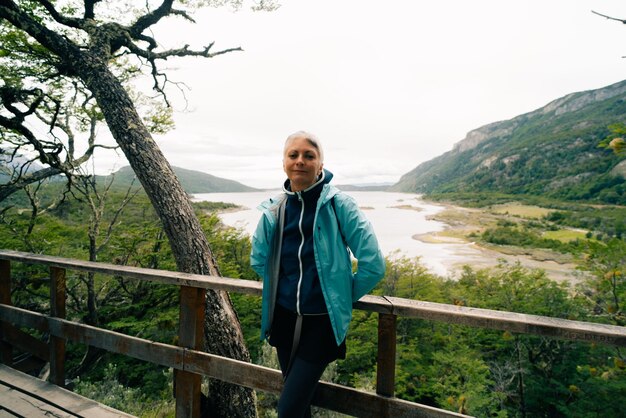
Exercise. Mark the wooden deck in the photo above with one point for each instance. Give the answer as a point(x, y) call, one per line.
point(22, 395)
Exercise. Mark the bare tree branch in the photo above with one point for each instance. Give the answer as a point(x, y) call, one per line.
point(609, 17)
point(151, 18)
point(130, 194)
point(22, 181)
point(152, 57)
point(89, 6)
point(180, 52)
point(48, 152)
point(64, 20)
point(9, 96)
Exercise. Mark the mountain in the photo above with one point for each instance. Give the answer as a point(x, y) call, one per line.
point(552, 151)
point(365, 187)
point(192, 181)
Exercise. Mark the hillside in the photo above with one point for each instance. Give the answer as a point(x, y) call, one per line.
point(552, 151)
point(192, 181)
point(378, 187)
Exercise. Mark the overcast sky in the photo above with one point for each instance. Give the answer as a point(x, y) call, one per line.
point(384, 85)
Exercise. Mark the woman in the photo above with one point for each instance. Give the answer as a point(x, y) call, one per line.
point(300, 250)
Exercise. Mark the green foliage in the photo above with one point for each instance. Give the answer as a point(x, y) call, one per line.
point(608, 220)
point(615, 140)
point(249, 313)
point(516, 289)
point(21, 56)
point(481, 199)
point(460, 380)
point(360, 349)
point(408, 278)
point(139, 401)
point(525, 237)
point(482, 372)
point(205, 206)
point(605, 288)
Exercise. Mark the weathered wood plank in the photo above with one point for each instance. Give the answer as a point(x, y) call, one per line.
point(24, 318)
point(386, 357)
point(159, 276)
point(190, 335)
point(372, 303)
point(5, 281)
point(510, 321)
point(6, 351)
point(57, 309)
point(330, 396)
point(58, 397)
point(158, 353)
point(23, 405)
point(27, 343)
point(369, 405)
point(234, 371)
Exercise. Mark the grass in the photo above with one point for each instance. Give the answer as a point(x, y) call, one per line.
point(565, 235)
point(523, 211)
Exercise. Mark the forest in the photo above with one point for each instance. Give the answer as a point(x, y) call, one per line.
point(479, 372)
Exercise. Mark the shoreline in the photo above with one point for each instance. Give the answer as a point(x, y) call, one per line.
point(460, 222)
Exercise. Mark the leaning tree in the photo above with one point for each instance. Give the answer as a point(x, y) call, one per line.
point(98, 44)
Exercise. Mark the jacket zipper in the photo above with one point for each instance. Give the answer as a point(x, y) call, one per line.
point(300, 252)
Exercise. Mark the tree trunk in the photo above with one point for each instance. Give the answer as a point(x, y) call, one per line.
point(188, 242)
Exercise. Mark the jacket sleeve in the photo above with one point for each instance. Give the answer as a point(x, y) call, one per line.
point(260, 247)
point(361, 239)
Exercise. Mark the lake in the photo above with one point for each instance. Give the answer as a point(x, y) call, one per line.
point(396, 218)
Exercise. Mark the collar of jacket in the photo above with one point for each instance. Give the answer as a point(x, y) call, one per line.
point(328, 192)
point(287, 185)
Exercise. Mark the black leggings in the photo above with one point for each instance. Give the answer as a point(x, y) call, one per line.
point(299, 386)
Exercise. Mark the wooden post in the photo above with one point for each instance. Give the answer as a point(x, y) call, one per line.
point(6, 350)
point(386, 360)
point(190, 335)
point(57, 309)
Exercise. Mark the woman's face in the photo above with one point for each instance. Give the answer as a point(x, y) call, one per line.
point(301, 163)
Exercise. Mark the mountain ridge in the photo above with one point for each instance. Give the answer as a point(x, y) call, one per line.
point(552, 150)
point(192, 181)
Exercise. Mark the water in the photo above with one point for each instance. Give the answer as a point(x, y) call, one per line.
point(396, 217)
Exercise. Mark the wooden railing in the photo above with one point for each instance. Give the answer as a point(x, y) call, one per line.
point(190, 363)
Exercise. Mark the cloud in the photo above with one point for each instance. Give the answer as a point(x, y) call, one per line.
point(384, 87)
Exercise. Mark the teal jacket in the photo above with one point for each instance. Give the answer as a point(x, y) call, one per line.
point(340, 286)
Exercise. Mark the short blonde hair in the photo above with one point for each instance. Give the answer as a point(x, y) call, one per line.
point(311, 138)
